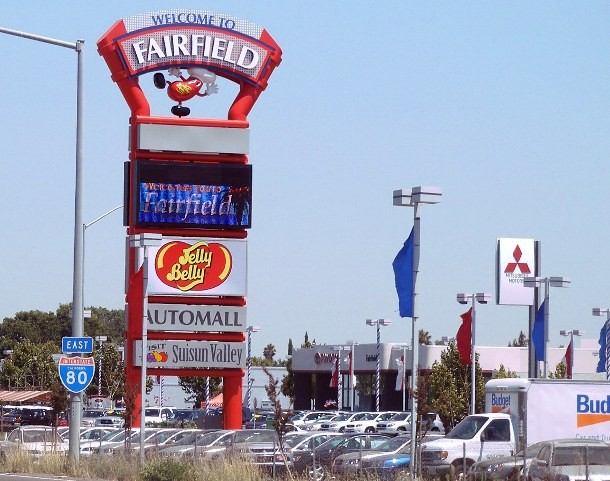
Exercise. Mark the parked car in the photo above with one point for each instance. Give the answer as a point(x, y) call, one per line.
point(316, 464)
point(158, 414)
point(306, 417)
point(89, 416)
point(260, 421)
point(400, 423)
point(115, 420)
point(339, 423)
point(89, 448)
point(34, 440)
point(28, 416)
point(191, 448)
point(315, 425)
point(393, 466)
point(508, 468)
point(368, 423)
point(571, 460)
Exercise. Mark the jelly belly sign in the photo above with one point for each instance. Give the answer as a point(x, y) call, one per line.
point(198, 267)
point(192, 354)
point(232, 47)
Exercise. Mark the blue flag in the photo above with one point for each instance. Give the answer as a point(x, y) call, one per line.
point(601, 365)
point(538, 334)
point(403, 275)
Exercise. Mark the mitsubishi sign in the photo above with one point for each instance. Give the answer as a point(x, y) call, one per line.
point(516, 259)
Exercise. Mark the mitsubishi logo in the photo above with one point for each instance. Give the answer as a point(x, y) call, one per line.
point(522, 266)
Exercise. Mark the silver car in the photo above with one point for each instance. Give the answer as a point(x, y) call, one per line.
point(571, 460)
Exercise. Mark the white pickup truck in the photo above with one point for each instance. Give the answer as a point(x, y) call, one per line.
point(477, 437)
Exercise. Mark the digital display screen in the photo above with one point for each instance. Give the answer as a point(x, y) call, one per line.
point(195, 195)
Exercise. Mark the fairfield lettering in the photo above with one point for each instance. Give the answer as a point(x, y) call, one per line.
point(197, 47)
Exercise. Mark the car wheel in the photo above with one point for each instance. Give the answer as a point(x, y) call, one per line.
point(457, 471)
point(341, 430)
point(316, 473)
point(370, 429)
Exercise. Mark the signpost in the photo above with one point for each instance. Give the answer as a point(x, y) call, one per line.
point(76, 373)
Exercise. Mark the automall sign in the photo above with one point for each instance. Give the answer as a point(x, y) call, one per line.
point(516, 260)
point(198, 267)
point(195, 318)
point(192, 354)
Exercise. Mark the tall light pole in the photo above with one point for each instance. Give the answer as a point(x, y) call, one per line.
point(352, 375)
point(378, 323)
point(481, 298)
point(571, 333)
point(144, 241)
point(100, 340)
point(340, 350)
point(413, 198)
point(597, 311)
point(250, 330)
point(547, 282)
point(85, 227)
point(77, 308)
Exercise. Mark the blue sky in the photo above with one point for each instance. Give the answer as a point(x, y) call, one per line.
point(504, 105)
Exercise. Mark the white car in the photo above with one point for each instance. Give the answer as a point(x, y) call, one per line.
point(400, 423)
point(158, 414)
point(34, 440)
point(338, 424)
point(306, 417)
point(368, 424)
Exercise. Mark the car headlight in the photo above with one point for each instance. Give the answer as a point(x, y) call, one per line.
point(492, 468)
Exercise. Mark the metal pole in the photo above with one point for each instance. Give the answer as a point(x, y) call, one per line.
point(352, 376)
point(404, 377)
point(607, 333)
point(144, 354)
point(378, 367)
point(249, 366)
point(99, 369)
point(414, 341)
point(546, 326)
point(473, 358)
point(339, 383)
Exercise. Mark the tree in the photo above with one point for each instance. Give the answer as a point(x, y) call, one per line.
point(269, 352)
point(503, 373)
point(195, 387)
point(521, 341)
point(30, 366)
point(287, 386)
point(449, 391)
point(59, 400)
point(281, 417)
point(561, 371)
point(425, 338)
point(307, 343)
point(113, 373)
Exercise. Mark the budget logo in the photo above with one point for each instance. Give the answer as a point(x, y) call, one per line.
point(591, 411)
point(198, 267)
point(500, 403)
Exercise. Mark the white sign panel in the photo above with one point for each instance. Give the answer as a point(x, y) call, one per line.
point(516, 260)
point(192, 354)
point(196, 318)
point(187, 266)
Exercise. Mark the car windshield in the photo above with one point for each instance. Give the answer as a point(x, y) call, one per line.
point(400, 416)
point(392, 444)
point(151, 412)
point(467, 428)
point(581, 455)
point(341, 417)
point(385, 416)
point(331, 443)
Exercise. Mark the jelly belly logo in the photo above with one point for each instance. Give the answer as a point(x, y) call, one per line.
point(500, 403)
point(198, 267)
point(591, 411)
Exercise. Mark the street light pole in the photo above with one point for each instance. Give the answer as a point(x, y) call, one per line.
point(413, 198)
point(481, 298)
point(250, 330)
point(548, 282)
point(77, 308)
point(597, 311)
point(378, 323)
point(100, 340)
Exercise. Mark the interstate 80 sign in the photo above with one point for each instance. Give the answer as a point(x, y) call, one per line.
point(76, 373)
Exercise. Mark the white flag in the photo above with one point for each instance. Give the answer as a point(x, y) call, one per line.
point(401, 374)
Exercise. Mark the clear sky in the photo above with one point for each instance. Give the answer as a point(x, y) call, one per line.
point(504, 105)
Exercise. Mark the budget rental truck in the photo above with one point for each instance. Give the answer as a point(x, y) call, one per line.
point(520, 412)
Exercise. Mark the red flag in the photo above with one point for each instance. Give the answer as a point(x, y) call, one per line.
point(568, 359)
point(464, 338)
point(334, 374)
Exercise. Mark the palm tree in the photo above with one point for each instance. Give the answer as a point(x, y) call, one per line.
point(269, 352)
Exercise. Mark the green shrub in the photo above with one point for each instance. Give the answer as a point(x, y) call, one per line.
point(164, 469)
